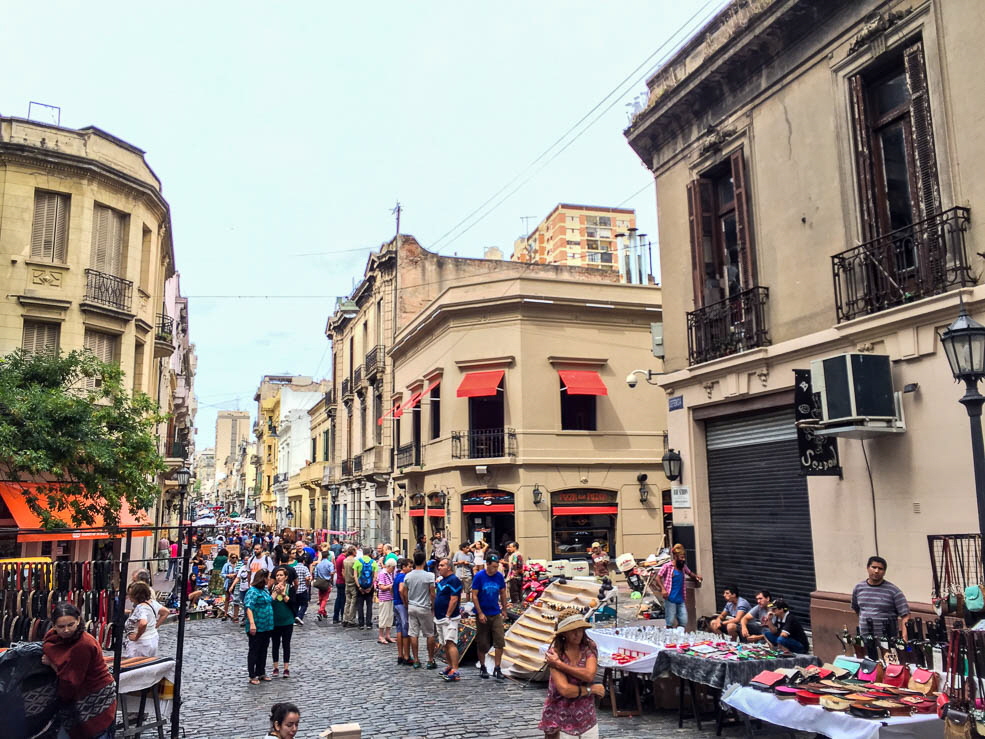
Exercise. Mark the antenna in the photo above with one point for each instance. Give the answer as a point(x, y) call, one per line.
point(46, 113)
point(526, 224)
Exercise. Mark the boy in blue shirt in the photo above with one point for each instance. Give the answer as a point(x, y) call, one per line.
point(489, 599)
point(400, 614)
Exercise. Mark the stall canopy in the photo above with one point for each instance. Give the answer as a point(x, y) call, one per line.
point(480, 384)
point(13, 497)
point(583, 382)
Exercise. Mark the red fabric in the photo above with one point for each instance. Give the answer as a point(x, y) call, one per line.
point(339, 573)
point(416, 513)
point(493, 508)
point(584, 510)
point(436, 512)
point(480, 384)
point(81, 671)
point(583, 382)
point(393, 413)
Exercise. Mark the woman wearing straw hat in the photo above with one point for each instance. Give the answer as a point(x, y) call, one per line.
point(569, 709)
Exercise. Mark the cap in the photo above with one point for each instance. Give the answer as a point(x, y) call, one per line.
point(492, 558)
point(596, 545)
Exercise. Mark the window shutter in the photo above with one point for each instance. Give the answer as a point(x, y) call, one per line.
point(102, 345)
point(100, 237)
point(699, 204)
point(863, 159)
point(928, 185)
point(61, 228)
point(742, 220)
point(40, 337)
point(50, 229)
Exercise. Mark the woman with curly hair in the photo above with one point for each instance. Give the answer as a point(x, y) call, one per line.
point(569, 709)
point(284, 721)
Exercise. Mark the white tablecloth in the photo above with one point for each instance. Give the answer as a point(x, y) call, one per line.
point(135, 680)
point(834, 724)
point(609, 643)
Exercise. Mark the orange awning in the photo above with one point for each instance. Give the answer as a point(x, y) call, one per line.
point(583, 382)
point(480, 384)
point(392, 413)
point(13, 496)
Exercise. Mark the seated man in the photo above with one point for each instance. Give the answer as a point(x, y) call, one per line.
point(753, 624)
point(729, 620)
point(784, 630)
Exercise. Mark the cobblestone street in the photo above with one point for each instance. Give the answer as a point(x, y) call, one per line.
point(341, 675)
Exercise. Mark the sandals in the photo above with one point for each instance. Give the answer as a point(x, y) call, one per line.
point(266, 678)
point(254, 681)
point(382, 641)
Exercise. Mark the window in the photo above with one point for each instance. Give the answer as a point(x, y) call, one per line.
point(331, 445)
point(363, 419)
point(49, 235)
point(573, 242)
point(378, 413)
point(605, 221)
point(896, 164)
point(577, 411)
point(324, 446)
point(40, 337)
point(104, 346)
point(145, 260)
point(138, 367)
point(108, 240)
point(721, 243)
point(594, 257)
point(435, 411)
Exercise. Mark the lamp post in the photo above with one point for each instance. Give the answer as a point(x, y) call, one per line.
point(183, 477)
point(964, 345)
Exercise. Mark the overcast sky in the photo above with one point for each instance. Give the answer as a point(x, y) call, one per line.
point(284, 133)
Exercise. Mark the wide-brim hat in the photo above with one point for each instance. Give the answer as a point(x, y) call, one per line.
point(571, 623)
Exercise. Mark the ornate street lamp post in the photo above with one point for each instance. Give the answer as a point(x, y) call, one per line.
point(183, 477)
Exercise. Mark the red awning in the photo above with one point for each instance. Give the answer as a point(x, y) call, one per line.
point(392, 413)
point(585, 510)
point(416, 513)
point(480, 384)
point(409, 405)
point(491, 508)
point(583, 382)
point(13, 496)
point(436, 512)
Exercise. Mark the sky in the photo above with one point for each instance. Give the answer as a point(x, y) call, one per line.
point(285, 133)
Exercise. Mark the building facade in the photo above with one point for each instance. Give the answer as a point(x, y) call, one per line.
point(231, 427)
point(89, 264)
point(577, 235)
point(816, 201)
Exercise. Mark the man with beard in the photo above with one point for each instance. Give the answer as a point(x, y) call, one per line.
point(672, 581)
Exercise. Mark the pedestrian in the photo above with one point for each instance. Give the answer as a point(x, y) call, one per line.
point(489, 599)
point(448, 616)
point(672, 579)
point(600, 560)
point(285, 605)
point(439, 545)
point(303, 585)
point(876, 601)
point(421, 544)
point(417, 591)
point(240, 586)
point(339, 609)
point(161, 613)
point(140, 628)
point(284, 721)
point(384, 594)
point(228, 574)
point(85, 687)
point(336, 547)
point(389, 555)
point(349, 617)
point(784, 630)
point(514, 572)
point(324, 575)
point(573, 659)
point(172, 562)
point(259, 625)
point(400, 613)
point(216, 581)
point(479, 552)
point(462, 562)
point(163, 551)
point(364, 569)
point(260, 560)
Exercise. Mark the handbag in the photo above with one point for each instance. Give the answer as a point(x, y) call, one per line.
point(870, 671)
point(957, 725)
point(834, 703)
point(766, 680)
point(896, 675)
point(851, 666)
point(941, 598)
point(864, 710)
point(923, 681)
point(321, 583)
point(974, 599)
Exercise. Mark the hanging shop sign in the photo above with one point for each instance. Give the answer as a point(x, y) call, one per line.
point(818, 454)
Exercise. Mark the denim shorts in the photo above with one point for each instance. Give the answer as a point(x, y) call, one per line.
point(400, 619)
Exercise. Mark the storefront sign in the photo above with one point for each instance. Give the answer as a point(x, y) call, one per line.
point(488, 501)
point(818, 454)
point(581, 497)
point(680, 496)
point(675, 402)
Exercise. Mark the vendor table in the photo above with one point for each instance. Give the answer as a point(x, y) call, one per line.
point(765, 706)
point(136, 685)
point(718, 674)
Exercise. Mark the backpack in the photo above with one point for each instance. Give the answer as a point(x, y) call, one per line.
point(366, 574)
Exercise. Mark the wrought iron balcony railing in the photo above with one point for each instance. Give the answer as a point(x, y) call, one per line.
point(346, 388)
point(357, 464)
point(346, 468)
point(923, 259)
point(165, 328)
point(357, 376)
point(408, 454)
point(374, 361)
point(108, 290)
point(483, 443)
point(330, 398)
point(176, 450)
point(729, 326)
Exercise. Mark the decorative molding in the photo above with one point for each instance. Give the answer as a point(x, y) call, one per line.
point(105, 310)
point(865, 347)
point(46, 277)
point(494, 362)
point(582, 361)
point(709, 387)
point(36, 301)
point(763, 373)
point(715, 138)
point(875, 26)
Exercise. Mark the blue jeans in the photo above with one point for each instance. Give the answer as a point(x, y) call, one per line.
point(675, 614)
point(172, 568)
point(785, 641)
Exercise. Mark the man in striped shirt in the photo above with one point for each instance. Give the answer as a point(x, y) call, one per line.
point(877, 600)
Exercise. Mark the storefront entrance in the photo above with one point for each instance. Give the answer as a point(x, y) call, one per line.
point(581, 517)
point(489, 515)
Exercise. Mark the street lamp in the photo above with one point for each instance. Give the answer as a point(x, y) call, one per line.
point(964, 345)
point(183, 476)
point(538, 494)
point(672, 465)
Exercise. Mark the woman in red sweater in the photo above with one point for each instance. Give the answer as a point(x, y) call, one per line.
point(84, 683)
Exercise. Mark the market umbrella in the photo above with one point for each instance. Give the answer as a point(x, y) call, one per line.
point(204, 522)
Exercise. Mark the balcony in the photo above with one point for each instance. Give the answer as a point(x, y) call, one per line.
point(357, 465)
point(357, 376)
point(163, 336)
point(330, 398)
point(375, 359)
point(483, 443)
point(346, 389)
point(280, 477)
point(408, 455)
point(923, 259)
point(108, 291)
point(346, 468)
point(175, 454)
point(728, 327)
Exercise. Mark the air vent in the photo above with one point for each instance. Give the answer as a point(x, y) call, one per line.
point(916, 507)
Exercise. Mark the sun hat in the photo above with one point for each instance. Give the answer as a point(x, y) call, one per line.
point(575, 621)
point(596, 545)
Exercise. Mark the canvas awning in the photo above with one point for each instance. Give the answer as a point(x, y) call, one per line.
point(480, 384)
point(583, 382)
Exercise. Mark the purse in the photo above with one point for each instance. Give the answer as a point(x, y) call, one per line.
point(957, 725)
point(923, 681)
point(896, 675)
point(894, 708)
point(766, 680)
point(941, 597)
point(807, 698)
point(864, 710)
point(785, 691)
point(320, 583)
point(834, 703)
point(849, 665)
point(870, 671)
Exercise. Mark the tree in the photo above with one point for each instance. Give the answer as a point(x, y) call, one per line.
point(68, 425)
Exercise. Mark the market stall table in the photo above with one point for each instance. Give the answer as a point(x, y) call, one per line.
point(618, 655)
point(765, 706)
point(138, 683)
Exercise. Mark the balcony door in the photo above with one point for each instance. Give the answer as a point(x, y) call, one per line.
point(108, 236)
point(487, 419)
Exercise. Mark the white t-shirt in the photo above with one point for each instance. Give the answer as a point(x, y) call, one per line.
point(143, 611)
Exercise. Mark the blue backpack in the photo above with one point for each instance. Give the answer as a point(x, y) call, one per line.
point(366, 573)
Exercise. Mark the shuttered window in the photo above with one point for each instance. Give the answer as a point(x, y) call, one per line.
point(138, 366)
point(103, 345)
point(49, 235)
point(40, 337)
point(108, 239)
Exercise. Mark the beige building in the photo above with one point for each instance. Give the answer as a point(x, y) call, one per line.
point(816, 170)
point(516, 421)
point(580, 236)
point(231, 427)
point(88, 263)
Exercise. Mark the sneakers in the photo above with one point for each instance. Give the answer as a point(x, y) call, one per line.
point(483, 672)
point(451, 677)
point(417, 665)
point(498, 674)
point(299, 621)
point(432, 665)
point(276, 672)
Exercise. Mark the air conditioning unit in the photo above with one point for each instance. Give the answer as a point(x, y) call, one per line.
point(856, 397)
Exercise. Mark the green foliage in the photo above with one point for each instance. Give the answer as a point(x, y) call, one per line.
point(68, 423)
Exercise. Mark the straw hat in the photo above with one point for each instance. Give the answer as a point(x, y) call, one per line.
point(571, 619)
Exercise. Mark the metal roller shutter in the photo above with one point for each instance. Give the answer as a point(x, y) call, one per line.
point(760, 512)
